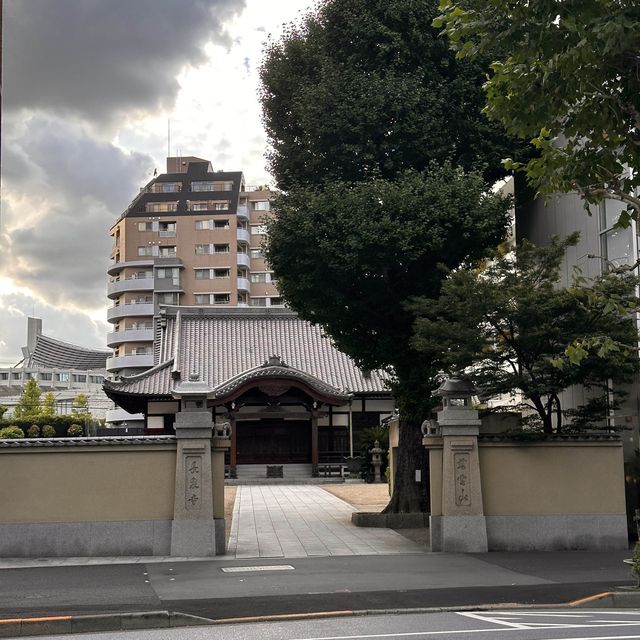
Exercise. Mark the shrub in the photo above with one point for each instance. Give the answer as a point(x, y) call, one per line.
point(11, 432)
point(48, 431)
point(75, 431)
point(33, 431)
point(635, 567)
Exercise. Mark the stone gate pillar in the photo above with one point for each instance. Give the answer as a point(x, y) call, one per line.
point(193, 530)
point(457, 522)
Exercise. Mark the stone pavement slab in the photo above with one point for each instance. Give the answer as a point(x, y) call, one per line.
point(298, 521)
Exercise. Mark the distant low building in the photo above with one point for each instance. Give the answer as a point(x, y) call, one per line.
point(59, 367)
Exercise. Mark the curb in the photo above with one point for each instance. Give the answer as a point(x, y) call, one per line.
point(18, 627)
point(22, 627)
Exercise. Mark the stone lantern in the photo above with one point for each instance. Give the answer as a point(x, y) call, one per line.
point(376, 460)
point(457, 522)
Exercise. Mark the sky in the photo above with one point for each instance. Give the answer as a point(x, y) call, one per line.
point(88, 90)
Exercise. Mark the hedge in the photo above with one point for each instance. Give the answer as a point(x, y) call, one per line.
point(60, 424)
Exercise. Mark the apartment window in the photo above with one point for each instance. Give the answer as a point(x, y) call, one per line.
point(258, 302)
point(165, 187)
point(212, 224)
point(167, 252)
point(4, 375)
point(199, 206)
point(16, 376)
point(145, 251)
point(202, 298)
point(167, 229)
point(161, 207)
point(141, 351)
point(221, 206)
point(220, 248)
point(169, 273)
point(96, 379)
point(209, 185)
point(203, 249)
point(203, 274)
point(221, 298)
point(76, 377)
point(62, 377)
point(261, 205)
point(221, 273)
point(145, 226)
point(258, 229)
point(259, 277)
point(257, 253)
point(45, 376)
point(168, 298)
point(277, 302)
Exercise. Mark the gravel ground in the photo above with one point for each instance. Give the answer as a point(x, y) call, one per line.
point(364, 497)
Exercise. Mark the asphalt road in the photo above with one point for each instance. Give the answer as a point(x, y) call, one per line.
point(480, 625)
point(310, 584)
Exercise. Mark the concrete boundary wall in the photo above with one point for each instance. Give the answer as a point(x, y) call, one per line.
point(558, 493)
point(86, 496)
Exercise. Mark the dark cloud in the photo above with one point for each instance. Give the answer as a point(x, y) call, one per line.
point(73, 187)
point(102, 58)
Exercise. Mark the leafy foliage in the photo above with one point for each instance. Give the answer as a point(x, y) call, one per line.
point(515, 328)
point(567, 78)
point(80, 405)
point(75, 431)
point(48, 405)
point(33, 431)
point(29, 405)
point(364, 89)
point(12, 433)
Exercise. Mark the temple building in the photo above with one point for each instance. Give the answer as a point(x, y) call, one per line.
point(290, 396)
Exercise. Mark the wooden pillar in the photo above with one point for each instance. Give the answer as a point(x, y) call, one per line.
point(233, 451)
point(314, 444)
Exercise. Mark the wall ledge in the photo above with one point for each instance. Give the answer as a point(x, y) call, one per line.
point(106, 441)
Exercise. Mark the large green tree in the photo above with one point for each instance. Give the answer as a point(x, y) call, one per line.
point(511, 326)
point(365, 106)
point(566, 76)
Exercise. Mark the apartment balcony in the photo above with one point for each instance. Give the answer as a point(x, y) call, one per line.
point(115, 338)
point(243, 260)
point(130, 284)
point(243, 236)
point(116, 267)
point(129, 310)
point(165, 233)
point(130, 361)
point(242, 212)
point(244, 284)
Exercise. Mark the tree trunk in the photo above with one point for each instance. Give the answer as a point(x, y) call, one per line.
point(410, 496)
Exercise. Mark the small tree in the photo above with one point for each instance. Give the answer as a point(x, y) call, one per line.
point(514, 328)
point(80, 404)
point(3, 410)
point(29, 404)
point(48, 405)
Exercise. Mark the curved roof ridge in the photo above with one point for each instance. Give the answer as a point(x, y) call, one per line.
point(114, 384)
point(276, 368)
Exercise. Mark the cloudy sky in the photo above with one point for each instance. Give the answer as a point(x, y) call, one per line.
point(88, 89)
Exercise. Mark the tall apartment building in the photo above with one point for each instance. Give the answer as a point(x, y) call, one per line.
point(192, 236)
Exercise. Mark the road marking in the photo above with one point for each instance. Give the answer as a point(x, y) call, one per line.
point(265, 567)
point(486, 618)
point(459, 632)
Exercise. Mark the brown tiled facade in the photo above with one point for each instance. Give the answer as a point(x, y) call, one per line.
point(192, 236)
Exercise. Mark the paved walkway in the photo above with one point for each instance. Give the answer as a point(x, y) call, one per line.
point(298, 521)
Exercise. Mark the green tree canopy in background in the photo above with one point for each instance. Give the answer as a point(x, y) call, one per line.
point(566, 76)
point(365, 105)
point(510, 325)
point(29, 405)
point(80, 404)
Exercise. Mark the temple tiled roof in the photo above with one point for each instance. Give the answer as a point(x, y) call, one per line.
point(50, 352)
point(222, 344)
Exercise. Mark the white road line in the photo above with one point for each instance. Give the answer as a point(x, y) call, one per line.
point(486, 618)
